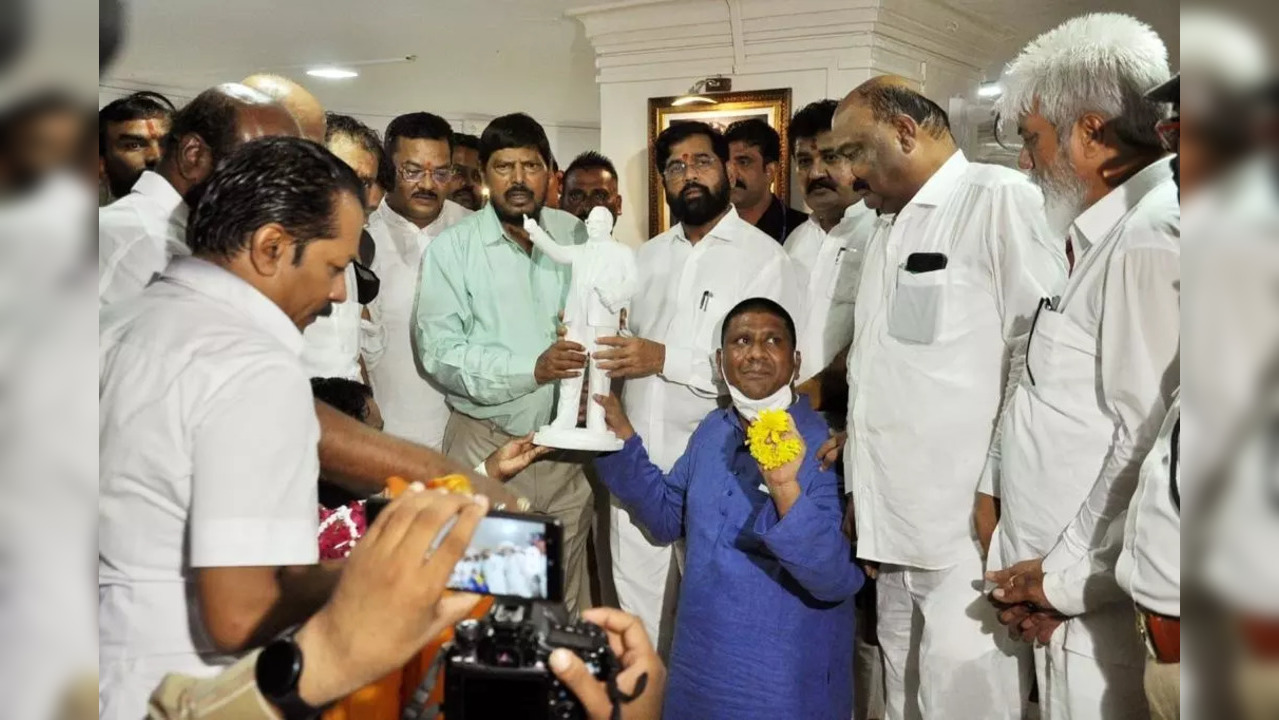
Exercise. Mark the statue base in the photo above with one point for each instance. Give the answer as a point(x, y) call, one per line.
point(577, 439)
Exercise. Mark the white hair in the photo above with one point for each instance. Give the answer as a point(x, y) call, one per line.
point(1098, 63)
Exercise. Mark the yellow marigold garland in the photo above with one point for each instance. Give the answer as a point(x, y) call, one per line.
point(768, 440)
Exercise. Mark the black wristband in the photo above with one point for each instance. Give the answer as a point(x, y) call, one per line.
point(278, 672)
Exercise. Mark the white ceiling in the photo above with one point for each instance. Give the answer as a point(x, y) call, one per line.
point(481, 57)
point(474, 57)
point(1032, 17)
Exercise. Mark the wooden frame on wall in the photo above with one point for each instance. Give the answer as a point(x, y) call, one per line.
point(773, 106)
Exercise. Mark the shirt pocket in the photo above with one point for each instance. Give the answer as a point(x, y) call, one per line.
point(848, 276)
point(1059, 350)
point(918, 306)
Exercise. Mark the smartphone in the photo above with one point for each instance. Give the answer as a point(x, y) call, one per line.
point(925, 262)
point(511, 555)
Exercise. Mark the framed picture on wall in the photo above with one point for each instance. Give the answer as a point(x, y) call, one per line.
point(771, 106)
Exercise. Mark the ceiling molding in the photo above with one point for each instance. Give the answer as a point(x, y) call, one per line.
point(637, 40)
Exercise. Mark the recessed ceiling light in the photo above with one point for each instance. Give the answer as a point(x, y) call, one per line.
point(332, 73)
point(991, 89)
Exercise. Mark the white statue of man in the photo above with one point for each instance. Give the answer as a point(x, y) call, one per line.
point(604, 279)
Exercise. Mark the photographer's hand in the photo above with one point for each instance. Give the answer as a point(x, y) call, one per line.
point(638, 659)
point(390, 601)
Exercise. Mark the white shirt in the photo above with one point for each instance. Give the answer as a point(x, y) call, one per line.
point(1149, 566)
point(332, 344)
point(685, 290)
point(1230, 320)
point(1100, 370)
point(412, 404)
point(829, 265)
point(495, 574)
point(138, 235)
point(48, 446)
point(208, 458)
point(926, 371)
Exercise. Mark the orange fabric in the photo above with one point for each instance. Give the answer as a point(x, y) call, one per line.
point(386, 698)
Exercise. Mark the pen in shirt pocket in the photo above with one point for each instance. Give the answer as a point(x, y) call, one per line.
point(706, 296)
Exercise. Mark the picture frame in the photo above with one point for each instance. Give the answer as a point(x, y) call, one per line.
point(773, 106)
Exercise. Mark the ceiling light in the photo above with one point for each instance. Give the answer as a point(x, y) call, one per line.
point(332, 73)
point(990, 90)
point(717, 84)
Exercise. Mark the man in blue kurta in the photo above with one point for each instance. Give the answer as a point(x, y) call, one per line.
point(765, 619)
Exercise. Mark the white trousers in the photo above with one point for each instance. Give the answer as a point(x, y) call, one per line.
point(1073, 686)
point(868, 674)
point(945, 654)
point(642, 574)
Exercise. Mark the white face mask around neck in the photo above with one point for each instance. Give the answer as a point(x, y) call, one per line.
point(750, 409)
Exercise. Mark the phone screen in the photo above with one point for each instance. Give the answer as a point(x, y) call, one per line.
point(510, 555)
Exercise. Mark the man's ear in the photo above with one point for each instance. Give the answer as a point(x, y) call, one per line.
point(771, 169)
point(195, 158)
point(799, 358)
point(719, 363)
point(1091, 131)
point(269, 249)
point(617, 206)
point(907, 132)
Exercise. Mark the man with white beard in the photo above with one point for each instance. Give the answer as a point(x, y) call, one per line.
point(1101, 363)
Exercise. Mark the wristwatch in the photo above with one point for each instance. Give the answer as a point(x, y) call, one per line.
point(278, 670)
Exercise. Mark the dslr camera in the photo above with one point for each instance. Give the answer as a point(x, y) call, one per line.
point(496, 668)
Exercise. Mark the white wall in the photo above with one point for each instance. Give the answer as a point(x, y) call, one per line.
point(567, 139)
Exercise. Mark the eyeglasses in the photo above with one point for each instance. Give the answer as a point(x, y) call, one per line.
point(440, 176)
point(1169, 132)
point(676, 169)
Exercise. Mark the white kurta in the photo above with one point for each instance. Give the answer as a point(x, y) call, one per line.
point(413, 406)
point(208, 458)
point(1100, 370)
point(1149, 566)
point(332, 344)
point(927, 368)
point(138, 235)
point(829, 267)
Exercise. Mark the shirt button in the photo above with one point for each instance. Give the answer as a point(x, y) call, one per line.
point(729, 493)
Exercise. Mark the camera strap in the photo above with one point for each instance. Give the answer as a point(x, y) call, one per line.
point(619, 698)
point(419, 706)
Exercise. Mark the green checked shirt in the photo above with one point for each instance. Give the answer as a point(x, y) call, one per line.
point(485, 311)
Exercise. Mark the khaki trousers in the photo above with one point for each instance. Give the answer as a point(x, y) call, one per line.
point(555, 485)
point(1163, 689)
point(1257, 685)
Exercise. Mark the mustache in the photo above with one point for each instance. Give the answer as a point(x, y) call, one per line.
point(694, 186)
point(325, 311)
point(861, 186)
point(517, 188)
point(740, 184)
point(822, 183)
point(430, 194)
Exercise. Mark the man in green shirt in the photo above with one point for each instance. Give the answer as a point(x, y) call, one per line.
point(486, 327)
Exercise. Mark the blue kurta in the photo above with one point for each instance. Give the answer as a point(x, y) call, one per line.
point(765, 621)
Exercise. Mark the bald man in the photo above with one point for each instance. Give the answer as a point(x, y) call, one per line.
point(298, 100)
point(141, 232)
point(948, 288)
